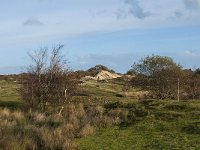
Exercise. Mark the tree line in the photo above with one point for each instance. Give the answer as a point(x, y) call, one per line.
point(50, 81)
point(165, 79)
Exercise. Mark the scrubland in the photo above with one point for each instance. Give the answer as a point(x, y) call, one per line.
point(98, 118)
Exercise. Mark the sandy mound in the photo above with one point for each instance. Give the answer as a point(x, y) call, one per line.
point(105, 75)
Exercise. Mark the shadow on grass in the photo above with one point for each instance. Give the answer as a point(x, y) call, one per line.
point(193, 128)
point(150, 104)
point(176, 107)
point(125, 125)
point(11, 104)
point(169, 115)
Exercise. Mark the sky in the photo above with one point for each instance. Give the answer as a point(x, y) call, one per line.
point(115, 33)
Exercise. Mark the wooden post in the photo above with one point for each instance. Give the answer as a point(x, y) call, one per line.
point(178, 86)
point(65, 94)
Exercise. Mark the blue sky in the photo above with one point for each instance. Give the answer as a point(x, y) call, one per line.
point(115, 33)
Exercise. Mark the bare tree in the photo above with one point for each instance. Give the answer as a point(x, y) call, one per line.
point(49, 80)
point(31, 89)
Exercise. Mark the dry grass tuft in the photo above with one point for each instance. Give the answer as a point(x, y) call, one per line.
point(87, 130)
point(118, 115)
point(53, 130)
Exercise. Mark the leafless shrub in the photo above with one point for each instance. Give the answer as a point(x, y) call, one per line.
point(48, 81)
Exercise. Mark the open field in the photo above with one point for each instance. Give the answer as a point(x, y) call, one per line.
point(9, 96)
point(161, 125)
point(105, 121)
point(100, 75)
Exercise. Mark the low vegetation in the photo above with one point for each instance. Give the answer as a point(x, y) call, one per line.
point(120, 113)
point(147, 124)
point(53, 130)
point(155, 125)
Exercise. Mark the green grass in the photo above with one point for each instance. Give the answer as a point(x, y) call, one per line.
point(156, 124)
point(98, 93)
point(144, 135)
point(166, 126)
point(94, 88)
point(9, 95)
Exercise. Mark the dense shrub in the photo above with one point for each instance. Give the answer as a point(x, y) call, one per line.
point(57, 130)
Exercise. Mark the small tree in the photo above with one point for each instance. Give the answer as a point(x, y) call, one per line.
point(192, 83)
point(31, 89)
point(48, 80)
point(158, 74)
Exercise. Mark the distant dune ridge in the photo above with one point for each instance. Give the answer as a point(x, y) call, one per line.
point(103, 75)
point(100, 72)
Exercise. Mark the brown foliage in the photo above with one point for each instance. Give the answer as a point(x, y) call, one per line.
point(159, 75)
point(49, 81)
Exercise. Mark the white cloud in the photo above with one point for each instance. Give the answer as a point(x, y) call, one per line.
point(192, 4)
point(96, 16)
point(33, 21)
point(136, 10)
point(190, 53)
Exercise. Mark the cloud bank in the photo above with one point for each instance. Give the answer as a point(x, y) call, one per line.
point(69, 19)
point(33, 21)
point(134, 9)
point(192, 4)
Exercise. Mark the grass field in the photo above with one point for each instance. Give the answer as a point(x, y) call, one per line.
point(150, 124)
point(9, 96)
point(166, 125)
